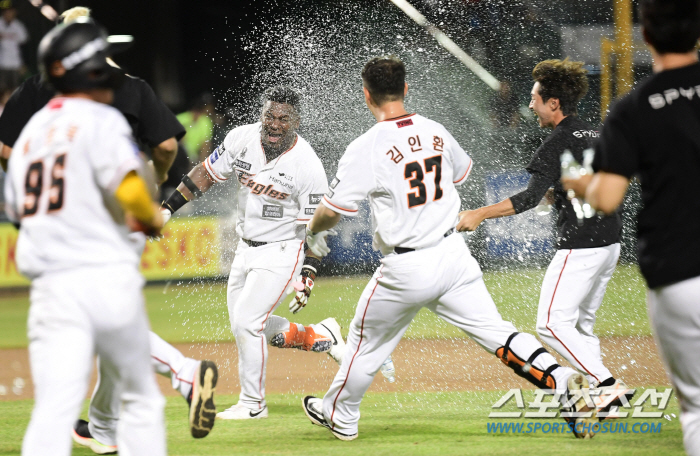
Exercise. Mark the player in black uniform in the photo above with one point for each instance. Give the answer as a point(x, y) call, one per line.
point(156, 128)
point(154, 125)
point(587, 248)
point(654, 133)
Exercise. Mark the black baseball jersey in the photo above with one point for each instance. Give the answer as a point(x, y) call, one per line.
point(654, 133)
point(150, 120)
point(575, 135)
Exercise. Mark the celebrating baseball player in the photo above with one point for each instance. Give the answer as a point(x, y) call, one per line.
point(654, 133)
point(281, 181)
point(587, 248)
point(156, 129)
point(409, 165)
point(72, 190)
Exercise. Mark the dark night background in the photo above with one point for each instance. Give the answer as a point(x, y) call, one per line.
point(236, 49)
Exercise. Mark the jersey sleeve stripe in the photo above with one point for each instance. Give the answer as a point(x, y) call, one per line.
point(466, 173)
point(212, 173)
point(335, 208)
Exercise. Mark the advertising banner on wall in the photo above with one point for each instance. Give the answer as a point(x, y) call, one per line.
point(190, 247)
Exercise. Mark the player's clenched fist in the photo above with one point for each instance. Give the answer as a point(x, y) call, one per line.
point(469, 220)
point(303, 287)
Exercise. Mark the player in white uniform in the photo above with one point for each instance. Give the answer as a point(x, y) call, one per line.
point(281, 183)
point(408, 166)
point(72, 187)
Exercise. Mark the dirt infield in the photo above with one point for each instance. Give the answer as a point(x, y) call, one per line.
point(421, 366)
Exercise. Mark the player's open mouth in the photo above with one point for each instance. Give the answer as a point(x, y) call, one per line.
point(273, 137)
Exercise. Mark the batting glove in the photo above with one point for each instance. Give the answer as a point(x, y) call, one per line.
point(303, 287)
point(317, 241)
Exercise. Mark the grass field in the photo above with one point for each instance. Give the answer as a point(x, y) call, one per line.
point(392, 423)
point(197, 313)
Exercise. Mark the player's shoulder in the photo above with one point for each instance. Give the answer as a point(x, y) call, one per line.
point(302, 146)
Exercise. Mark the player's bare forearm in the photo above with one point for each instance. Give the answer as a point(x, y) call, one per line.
point(323, 219)
point(470, 220)
point(199, 177)
point(163, 157)
point(5, 153)
point(606, 191)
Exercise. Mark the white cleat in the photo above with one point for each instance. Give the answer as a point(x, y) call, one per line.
point(582, 414)
point(330, 328)
point(240, 412)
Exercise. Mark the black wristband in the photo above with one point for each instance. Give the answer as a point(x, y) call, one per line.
point(191, 186)
point(312, 263)
point(175, 201)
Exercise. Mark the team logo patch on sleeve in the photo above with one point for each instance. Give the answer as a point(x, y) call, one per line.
point(315, 198)
point(214, 156)
point(241, 164)
point(404, 123)
point(334, 182)
point(272, 211)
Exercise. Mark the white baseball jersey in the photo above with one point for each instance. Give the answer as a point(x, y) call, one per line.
point(401, 164)
point(67, 163)
point(276, 198)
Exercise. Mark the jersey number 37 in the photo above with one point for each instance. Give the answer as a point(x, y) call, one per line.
point(414, 173)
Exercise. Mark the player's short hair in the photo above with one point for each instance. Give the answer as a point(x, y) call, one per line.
point(671, 26)
point(72, 14)
point(562, 79)
point(283, 94)
point(385, 78)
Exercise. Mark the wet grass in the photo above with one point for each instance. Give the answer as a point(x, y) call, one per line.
point(196, 312)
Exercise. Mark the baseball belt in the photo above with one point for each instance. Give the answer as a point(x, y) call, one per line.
point(401, 250)
point(254, 243)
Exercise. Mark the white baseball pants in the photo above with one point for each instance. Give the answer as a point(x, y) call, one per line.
point(445, 279)
point(105, 403)
point(260, 280)
point(674, 311)
point(75, 315)
point(572, 292)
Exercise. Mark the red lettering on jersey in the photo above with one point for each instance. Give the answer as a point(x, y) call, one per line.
point(273, 194)
point(55, 103)
point(404, 123)
point(283, 196)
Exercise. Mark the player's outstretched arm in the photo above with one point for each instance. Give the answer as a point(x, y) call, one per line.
point(527, 199)
point(142, 213)
point(470, 220)
point(194, 185)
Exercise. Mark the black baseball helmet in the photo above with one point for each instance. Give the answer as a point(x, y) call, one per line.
point(73, 57)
